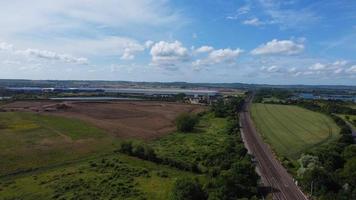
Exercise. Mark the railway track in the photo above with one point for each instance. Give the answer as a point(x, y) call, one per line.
point(273, 174)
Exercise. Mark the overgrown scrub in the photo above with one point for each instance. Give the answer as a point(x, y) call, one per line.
point(186, 122)
point(188, 189)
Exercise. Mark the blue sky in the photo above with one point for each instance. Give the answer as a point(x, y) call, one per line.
point(250, 41)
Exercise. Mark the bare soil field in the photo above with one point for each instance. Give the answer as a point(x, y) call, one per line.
point(125, 119)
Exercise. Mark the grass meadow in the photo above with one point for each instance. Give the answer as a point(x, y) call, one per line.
point(292, 130)
point(29, 141)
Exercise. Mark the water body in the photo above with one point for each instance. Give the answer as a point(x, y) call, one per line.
point(144, 91)
point(327, 97)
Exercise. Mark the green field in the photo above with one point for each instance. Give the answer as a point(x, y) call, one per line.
point(29, 141)
point(292, 130)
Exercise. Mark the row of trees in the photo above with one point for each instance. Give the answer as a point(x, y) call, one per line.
point(146, 152)
point(281, 94)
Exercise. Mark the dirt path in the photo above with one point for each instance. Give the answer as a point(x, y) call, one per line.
point(273, 174)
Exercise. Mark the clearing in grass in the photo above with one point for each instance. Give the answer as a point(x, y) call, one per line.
point(292, 130)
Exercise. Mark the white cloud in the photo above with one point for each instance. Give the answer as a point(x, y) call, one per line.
point(49, 55)
point(317, 66)
point(149, 43)
point(169, 54)
point(5, 46)
point(280, 12)
point(253, 22)
point(351, 70)
point(286, 47)
point(43, 15)
point(11, 62)
point(224, 55)
point(270, 69)
point(131, 50)
point(204, 49)
point(241, 11)
point(219, 56)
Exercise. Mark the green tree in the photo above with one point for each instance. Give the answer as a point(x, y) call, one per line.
point(188, 189)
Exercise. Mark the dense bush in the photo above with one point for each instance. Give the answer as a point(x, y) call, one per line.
point(139, 150)
point(227, 107)
point(188, 189)
point(238, 181)
point(186, 122)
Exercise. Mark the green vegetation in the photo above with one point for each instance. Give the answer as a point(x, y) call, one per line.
point(110, 177)
point(292, 130)
point(29, 141)
point(272, 95)
point(202, 147)
point(351, 119)
point(325, 170)
point(188, 189)
point(186, 122)
point(59, 158)
point(213, 148)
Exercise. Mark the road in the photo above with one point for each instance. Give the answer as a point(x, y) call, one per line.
point(273, 174)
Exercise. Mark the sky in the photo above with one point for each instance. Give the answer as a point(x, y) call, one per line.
point(248, 41)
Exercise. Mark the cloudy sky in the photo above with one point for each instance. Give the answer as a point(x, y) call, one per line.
point(250, 41)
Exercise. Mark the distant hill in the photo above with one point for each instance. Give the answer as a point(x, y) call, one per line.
point(183, 85)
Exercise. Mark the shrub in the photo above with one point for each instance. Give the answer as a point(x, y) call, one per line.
point(186, 122)
point(188, 189)
point(126, 147)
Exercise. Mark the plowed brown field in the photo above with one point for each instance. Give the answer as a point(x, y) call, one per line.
point(126, 119)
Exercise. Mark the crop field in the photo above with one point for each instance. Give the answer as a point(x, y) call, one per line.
point(292, 130)
point(124, 119)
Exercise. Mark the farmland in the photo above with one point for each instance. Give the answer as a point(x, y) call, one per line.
point(33, 138)
point(66, 150)
point(292, 130)
point(123, 119)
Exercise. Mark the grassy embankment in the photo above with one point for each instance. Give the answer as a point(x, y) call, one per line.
point(292, 130)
